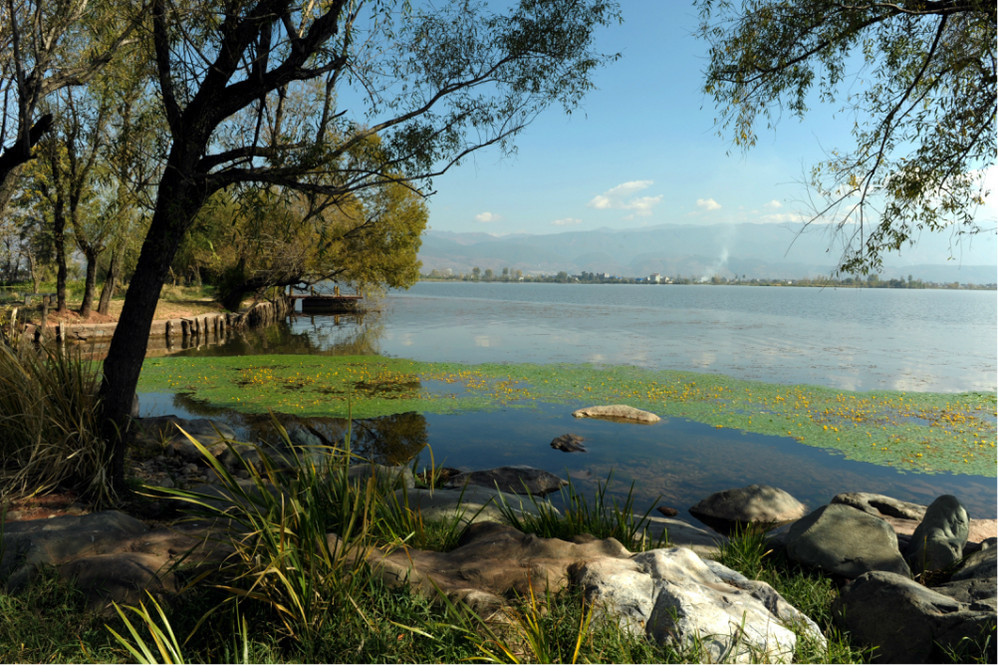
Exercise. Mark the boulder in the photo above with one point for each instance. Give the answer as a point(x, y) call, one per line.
point(515, 479)
point(879, 505)
point(910, 623)
point(976, 580)
point(905, 516)
point(938, 541)
point(845, 541)
point(618, 412)
point(493, 562)
point(707, 611)
point(109, 555)
point(757, 505)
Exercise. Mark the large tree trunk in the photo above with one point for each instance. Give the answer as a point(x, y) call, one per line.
point(110, 282)
point(177, 203)
point(90, 285)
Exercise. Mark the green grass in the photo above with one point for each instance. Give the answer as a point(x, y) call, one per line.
point(920, 432)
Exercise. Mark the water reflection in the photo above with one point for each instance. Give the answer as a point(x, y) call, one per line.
point(676, 462)
point(327, 334)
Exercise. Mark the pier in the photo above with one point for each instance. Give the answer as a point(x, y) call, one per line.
point(326, 302)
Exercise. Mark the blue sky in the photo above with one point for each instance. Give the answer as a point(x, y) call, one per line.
point(642, 149)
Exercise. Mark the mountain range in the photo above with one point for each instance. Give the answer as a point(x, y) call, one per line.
point(764, 251)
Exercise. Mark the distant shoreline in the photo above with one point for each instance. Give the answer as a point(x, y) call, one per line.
point(848, 283)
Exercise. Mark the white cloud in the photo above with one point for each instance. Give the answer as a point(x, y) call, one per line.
point(566, 221)
point(486, 217)
point(622, 197)
point(774, 205)
point(708, 204)
point(600, 203)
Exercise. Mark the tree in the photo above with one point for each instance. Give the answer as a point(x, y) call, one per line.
point(290, 94)
point(273, 238)
point(924, 102)
point(46, 46)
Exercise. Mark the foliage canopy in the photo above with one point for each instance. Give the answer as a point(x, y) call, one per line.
point(923, 98)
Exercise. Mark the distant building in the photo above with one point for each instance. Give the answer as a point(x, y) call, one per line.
point(655, 278)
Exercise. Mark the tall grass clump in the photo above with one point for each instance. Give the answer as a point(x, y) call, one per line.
point(49, 430)
point(601, 516)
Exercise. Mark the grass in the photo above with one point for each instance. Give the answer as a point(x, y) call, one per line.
point(596, 516)
point(49, 433)
point(921, 432)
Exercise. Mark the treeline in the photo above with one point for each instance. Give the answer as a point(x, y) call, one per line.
point(562, 277)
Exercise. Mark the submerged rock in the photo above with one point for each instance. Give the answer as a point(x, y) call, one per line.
point(516, 479)
point(568, 443)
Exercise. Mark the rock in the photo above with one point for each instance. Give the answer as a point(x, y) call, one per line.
point(758, 505)
point(673, 596)
point(619, 412)
point(470, 504)
point(109, 555)
point(568, 443)
point(845, 541)
point(677, 532)
point(389, 477)
point(938, 541)
point(167, 430)
point(909, 623)
point(668, 511)
point(879, 505)
point(515, 479)
point(491, 563)
point(975, 579)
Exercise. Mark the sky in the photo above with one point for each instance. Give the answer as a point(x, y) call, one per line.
point(642, 150)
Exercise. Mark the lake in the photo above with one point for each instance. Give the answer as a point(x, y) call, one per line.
point(849, 339)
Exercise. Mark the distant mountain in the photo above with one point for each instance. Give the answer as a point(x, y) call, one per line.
point(730, 250)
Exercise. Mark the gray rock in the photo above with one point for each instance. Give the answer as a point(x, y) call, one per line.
point(879, 505)
point(709, 612)
point(910, 623)
point(938, 541)
point(515, 479)
point(980, 564)
point(758, 505)
point(620, 412)
point(845, 541)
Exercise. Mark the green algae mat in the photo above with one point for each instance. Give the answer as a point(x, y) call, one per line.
point(922, 432)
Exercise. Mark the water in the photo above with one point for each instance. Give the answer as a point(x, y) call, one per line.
point(856, 339)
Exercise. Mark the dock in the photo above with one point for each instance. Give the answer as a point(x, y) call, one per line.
point(326, 303)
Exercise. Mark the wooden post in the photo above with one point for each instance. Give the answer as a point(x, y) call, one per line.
point(45, 319)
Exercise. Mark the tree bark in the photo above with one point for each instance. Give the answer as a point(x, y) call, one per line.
point(59, 238)
point(177, 203)
point(110, 282)
point(90, 285)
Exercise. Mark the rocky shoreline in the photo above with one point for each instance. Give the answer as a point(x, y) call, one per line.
point(912, 579)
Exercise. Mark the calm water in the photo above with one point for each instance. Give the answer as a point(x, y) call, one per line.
point(853, 339)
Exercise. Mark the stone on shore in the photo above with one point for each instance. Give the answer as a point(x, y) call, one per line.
point(910, 623)
point(845, 541)
point(706, 610)
point(619, 412)
point(939, 540)
point(756, 505)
